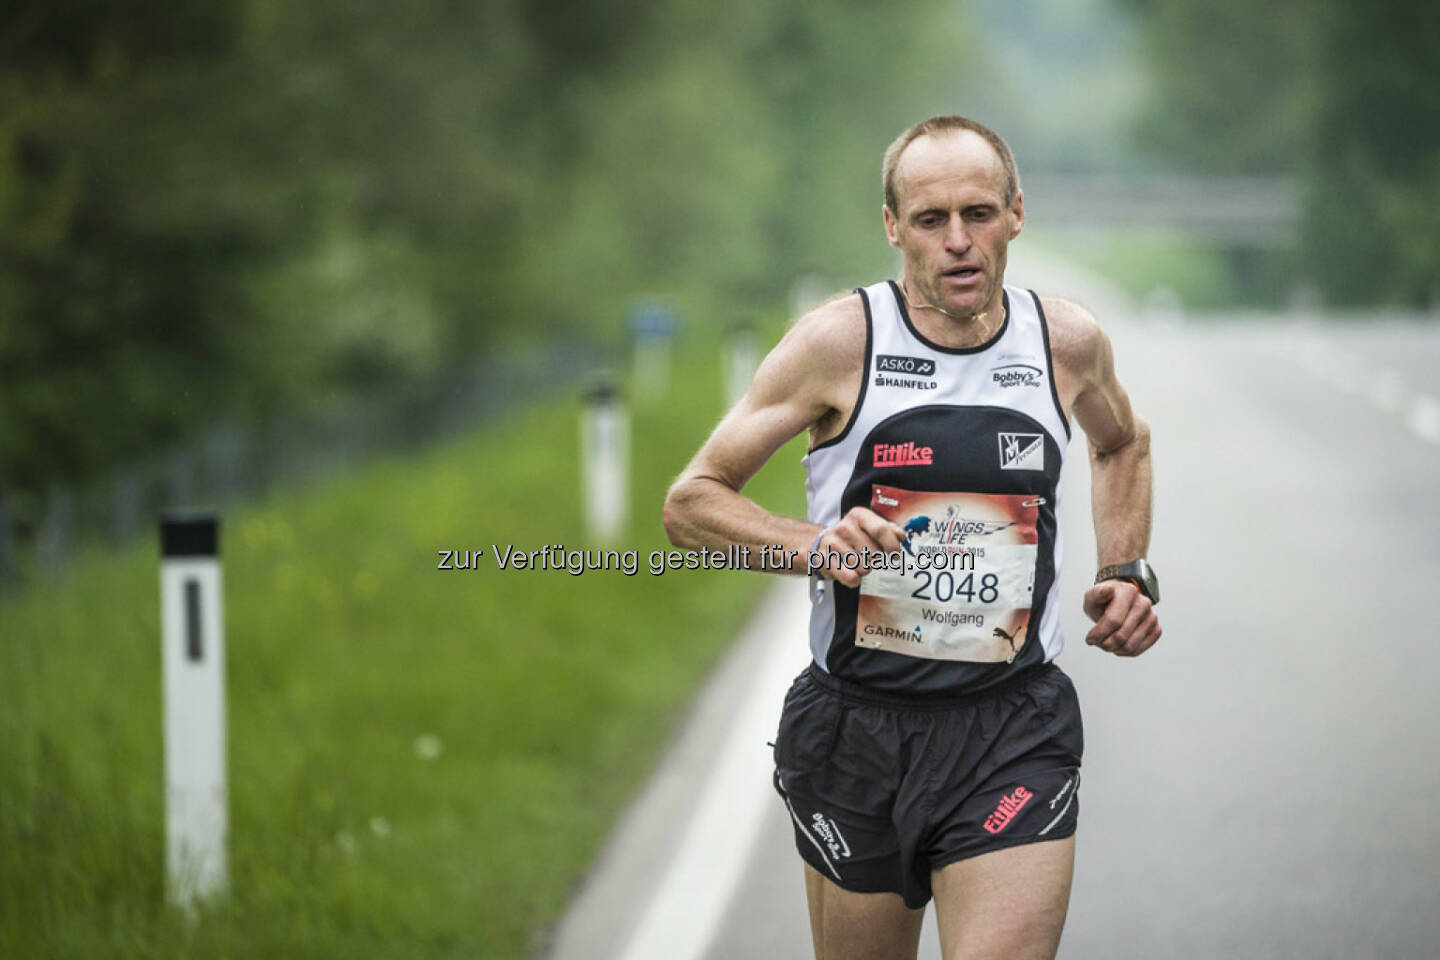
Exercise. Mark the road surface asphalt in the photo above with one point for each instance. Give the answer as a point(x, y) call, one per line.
point(1263, 783)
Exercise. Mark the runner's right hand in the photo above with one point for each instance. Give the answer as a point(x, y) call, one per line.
point(860, 530)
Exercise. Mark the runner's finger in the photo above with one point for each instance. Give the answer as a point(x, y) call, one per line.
point(842, 551)
point(1131, 630)
point(1108, 623)
point(884, 535)
point(1096, 600)
point(1151, 633)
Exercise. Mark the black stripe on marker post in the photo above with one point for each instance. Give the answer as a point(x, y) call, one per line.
point(602, 391)
point(194, 643)
point(189, 535)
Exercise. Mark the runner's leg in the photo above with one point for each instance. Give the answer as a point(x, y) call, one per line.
point(859, 926)
point(1007, 904)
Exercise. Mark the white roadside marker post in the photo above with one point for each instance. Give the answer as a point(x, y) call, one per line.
point(806, 293)
point(604, 457)
point(193, 640)
point(652, 325)
point(741, 359)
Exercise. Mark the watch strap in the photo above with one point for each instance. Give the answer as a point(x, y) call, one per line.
point(1138, 572)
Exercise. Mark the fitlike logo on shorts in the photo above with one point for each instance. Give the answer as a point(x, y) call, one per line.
point(903, 455)
point(1010, 804)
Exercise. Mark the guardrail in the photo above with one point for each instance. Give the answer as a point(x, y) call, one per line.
point(233, 460)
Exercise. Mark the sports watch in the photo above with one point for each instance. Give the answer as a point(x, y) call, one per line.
point(1138, 572)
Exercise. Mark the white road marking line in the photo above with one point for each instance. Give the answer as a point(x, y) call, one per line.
point(1424, 417)
point(710, 854)
point(1383, 387)
point(1387, 390)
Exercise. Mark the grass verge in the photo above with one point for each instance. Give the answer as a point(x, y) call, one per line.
point(548, 695)
point(1201, 272)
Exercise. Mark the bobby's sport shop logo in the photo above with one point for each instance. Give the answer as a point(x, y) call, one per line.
point(829, 833)
point(914, 373)
point(1016, 375)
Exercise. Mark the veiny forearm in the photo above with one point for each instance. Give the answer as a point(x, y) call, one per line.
point(1120, 498)
point(706, 512)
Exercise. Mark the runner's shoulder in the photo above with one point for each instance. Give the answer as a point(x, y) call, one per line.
point(830, 339)
point(1077, 341)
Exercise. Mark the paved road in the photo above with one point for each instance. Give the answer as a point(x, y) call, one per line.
point(1264, 783)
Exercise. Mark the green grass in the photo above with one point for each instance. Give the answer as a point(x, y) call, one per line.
point(550, 694)
point(1200, 271)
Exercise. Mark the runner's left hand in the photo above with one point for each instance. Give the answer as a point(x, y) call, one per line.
point(1125, 620)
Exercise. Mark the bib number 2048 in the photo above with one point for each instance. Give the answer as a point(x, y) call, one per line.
point(942, 587)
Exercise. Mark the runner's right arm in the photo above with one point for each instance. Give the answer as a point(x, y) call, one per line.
point(801, 385)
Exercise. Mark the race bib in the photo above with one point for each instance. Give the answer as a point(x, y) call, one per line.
point(965, 587)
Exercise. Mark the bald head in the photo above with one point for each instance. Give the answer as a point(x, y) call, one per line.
point(972, 144)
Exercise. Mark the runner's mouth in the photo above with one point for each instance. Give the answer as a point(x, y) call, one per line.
point(962, 273)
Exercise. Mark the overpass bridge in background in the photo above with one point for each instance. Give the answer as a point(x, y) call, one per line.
point(1236, 211)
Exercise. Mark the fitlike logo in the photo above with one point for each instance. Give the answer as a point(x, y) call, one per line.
point(903, 455)
point(1010, 805)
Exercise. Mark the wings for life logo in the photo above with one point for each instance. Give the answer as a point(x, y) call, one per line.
point(1022, 451)
point(951, 530)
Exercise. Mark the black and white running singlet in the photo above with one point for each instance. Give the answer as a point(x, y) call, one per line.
point(962, 448)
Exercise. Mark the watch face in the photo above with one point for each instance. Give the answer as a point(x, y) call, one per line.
point(1152, 582)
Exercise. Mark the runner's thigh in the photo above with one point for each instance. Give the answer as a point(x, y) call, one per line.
point(1007, 904)
point(860, 926)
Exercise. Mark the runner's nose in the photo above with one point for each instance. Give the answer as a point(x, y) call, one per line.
point(957, 239)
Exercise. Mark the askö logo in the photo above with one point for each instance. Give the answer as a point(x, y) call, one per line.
point(903, 455)
point(1009, 806)
point(909, 373)
point(915, 366)
point(1016, 375)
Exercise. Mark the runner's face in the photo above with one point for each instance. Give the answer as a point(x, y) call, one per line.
point(952, 224)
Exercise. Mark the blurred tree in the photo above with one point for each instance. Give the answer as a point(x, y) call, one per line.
point(1343, 93)
point(1373, 220)
point(231, 208)
point(100, 310)
point(1232, 84)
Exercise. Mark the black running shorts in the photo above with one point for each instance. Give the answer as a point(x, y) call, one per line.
point(883, 790)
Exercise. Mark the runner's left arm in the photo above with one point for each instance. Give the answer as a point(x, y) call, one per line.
point(1119, 442)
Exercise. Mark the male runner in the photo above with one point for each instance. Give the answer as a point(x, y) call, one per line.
point(932, 747)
